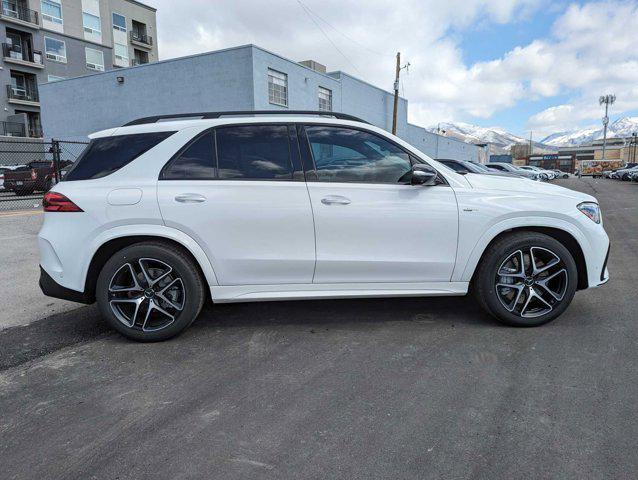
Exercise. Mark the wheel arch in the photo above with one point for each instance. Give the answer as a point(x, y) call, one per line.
point(113, 244)
point(563, 236)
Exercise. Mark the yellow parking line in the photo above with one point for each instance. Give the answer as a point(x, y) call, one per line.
point(20, 214)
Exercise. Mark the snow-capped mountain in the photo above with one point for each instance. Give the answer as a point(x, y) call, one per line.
point(622, 127)
point(474, 134)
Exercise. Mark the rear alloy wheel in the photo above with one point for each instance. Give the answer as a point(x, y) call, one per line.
point(150, 291)
point(526, 279)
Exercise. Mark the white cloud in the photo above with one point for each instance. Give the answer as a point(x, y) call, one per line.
point(592, 49)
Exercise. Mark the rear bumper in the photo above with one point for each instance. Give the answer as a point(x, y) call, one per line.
point(26, 185)
point(53, 289)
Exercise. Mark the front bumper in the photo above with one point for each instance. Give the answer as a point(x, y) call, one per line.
point(53, 289)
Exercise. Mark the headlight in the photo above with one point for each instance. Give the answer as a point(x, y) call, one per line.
point(591, 209)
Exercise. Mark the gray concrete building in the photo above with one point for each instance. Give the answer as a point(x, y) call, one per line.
point(49, 40)
point(240, 78)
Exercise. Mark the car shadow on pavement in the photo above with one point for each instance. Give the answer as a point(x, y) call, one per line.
point(343, 312)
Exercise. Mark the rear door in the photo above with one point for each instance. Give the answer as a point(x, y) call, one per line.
point(239, 191)
point(372, 225)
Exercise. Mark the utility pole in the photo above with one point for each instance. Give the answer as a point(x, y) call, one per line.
point(396, 91)
point(531, 144)
point(606, 100)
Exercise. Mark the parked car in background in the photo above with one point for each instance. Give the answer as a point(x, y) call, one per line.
point(509, 168)
point(561, 174)
point(623, 173)
point(463, 167)
point(4, 169)
point(544, 174)
point(38, 175)
point(162, 214)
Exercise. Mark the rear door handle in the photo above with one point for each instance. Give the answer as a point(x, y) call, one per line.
point(335, 200)
point(190, 198)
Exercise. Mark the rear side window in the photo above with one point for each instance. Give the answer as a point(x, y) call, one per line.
point(106, 155)
point(254, 152)
point(195, 162)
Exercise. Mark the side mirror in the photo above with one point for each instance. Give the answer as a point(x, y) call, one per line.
point(423, 175)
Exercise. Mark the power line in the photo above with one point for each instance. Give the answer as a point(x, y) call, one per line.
point(327, 37)
point(365, 47)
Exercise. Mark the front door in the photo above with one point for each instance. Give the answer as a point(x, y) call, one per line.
point(239, 192)
point(372, 225)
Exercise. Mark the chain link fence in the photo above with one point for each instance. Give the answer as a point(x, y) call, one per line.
point(29, 168)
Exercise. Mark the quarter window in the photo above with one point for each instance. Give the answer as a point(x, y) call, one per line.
point(106, 155)
point(254, 152)
point(325, 99)
point(196, 162)
point(277, 88)
point(348, 155)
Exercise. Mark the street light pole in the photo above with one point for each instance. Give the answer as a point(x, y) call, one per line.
point(606, 100)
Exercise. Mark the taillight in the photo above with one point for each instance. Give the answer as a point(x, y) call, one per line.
point(56, 202)
point(34, 175)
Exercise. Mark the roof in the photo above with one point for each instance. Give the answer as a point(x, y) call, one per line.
point(203, 124)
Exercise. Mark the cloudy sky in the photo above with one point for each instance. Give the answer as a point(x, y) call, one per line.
point(519, 64)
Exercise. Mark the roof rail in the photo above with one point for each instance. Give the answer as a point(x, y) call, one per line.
point(209, 115)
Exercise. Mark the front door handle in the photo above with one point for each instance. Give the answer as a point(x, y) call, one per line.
point(190, 198)
point(335, 200)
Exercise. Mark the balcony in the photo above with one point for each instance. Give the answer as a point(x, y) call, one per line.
point(142, 39)
point(23, 96)
point(15, 54)
point(12, 129)
point(16, 13)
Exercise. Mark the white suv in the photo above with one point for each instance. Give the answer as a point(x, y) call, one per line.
point(156, 217)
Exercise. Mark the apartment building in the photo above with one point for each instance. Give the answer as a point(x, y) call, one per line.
point(50, 40)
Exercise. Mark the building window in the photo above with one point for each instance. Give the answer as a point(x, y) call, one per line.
point(121, 52)
point(91, 24)
point(54, 78)
point(277, 88)
point(52, 11)
point(325, 99)
point(119, 22)
point(94, 59)
point(55, 49)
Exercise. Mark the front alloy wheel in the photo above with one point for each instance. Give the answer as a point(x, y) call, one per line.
point(526, 279)
point(529, 283)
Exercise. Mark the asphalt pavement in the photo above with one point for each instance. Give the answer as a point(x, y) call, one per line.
point(347, 389)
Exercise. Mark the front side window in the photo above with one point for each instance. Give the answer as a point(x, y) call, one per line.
point(325, 99)
point(119, 22)
point(106, 155)
point(196, 162)
point(52, 11)
point(254, 152)
point(348, 155)
point(94, 59)
point(277, 88)
point(55, 49)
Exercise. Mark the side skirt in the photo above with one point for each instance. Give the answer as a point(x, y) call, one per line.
point(257, 293)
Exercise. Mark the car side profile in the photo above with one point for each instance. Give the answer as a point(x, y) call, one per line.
point(158, 217)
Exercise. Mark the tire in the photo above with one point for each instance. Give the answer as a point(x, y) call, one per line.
point(175, 294)
point(509, 305)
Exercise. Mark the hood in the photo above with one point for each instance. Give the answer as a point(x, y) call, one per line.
point(523, 185)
